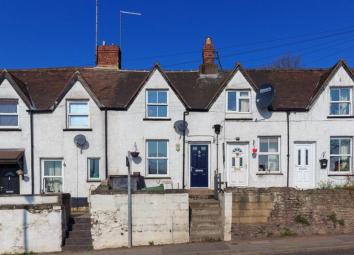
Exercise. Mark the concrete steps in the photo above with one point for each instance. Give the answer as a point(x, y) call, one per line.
point(79, 237)
point(205, 219)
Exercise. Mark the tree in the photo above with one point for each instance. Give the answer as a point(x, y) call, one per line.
point(287, 62)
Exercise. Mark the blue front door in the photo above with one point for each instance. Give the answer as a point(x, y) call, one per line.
point(199, 166)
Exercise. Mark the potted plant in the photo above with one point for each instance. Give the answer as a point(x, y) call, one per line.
point(323, 161)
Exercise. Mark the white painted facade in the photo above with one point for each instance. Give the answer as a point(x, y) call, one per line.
point(157, 219)
point(127, 128)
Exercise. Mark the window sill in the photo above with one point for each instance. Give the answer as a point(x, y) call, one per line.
point(239, 119)
point(10, 129)
point(77, 129)
point(93, 181)
point(157, 177)
point(156, 119)
point(269, 173)
point(340, 117)
point(348, 174)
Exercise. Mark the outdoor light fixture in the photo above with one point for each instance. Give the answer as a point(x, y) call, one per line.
point(20, 172)
point(217, 128)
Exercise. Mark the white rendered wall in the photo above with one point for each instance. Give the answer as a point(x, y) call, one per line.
point(314, 126)
point(30, 230)
point(18, 139)
point(127, 128)
point(52, 142)
point(157, 219)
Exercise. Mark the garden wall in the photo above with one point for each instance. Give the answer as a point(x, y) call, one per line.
point(32, 223)
point(161, 218)
point(259, 212)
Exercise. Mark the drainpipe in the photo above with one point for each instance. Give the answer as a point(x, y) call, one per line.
point(32, 153)
point(185, 113)
point(288, 149)
point(106, 142)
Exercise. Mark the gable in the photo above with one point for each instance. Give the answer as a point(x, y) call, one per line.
point(341, 78)
point(157, 79)
point(238, 81)
point(8, 89)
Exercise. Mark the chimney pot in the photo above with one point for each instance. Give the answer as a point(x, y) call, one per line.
point(108, 56)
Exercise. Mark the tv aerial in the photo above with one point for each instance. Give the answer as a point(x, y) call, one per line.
point(265, 96)
point(80, 141)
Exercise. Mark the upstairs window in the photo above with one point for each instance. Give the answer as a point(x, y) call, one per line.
point(8, 113)
point(340, 154)
point(156, 104)
point(269, 154)
point(341, 101)
point(78, 114)
point(238, 101)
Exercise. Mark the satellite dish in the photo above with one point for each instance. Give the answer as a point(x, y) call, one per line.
point(180, 126)
point(265, 96)
point(80, 141)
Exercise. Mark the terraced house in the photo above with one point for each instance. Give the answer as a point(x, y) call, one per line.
point(186, 125)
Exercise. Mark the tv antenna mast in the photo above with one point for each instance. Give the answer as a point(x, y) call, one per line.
point(121, 13)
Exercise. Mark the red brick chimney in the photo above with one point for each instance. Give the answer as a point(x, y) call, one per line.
point(208, 66)
point(108, 56)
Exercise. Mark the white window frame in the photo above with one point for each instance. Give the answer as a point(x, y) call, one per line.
point(339, 155)
point(147, 104)
point(350, 100)
point(11, 114)
point(89, 178)
point(148, 158)
point(238, 97)
point(43, 177)
point(68, 114)
point(269, 153)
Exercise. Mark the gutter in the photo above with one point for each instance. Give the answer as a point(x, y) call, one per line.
point(32, 153)
point(185, 113)
point(288, 149)
point(106, 142)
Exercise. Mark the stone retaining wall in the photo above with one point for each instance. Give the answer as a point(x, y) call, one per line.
point(259, 213)
point(157, 219)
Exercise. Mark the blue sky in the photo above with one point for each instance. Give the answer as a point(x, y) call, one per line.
point(42, 33)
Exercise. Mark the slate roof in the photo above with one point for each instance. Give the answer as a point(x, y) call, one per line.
point(116, 89)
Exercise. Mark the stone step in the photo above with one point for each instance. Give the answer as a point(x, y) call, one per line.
point(78, 241)
point(205, 212)
point(207, 218)
point(79, 233)
point(76, 227)
point(203, 203)
point(78, 220)
point(75, 247)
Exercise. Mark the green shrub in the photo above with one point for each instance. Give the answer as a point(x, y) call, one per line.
point(288, 232)
point(333, 218)
point(299, 219)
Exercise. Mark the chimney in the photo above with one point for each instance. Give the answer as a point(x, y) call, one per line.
point(108, 56)
point(208, 66)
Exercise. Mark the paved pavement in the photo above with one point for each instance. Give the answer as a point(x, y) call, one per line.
point(315, 245)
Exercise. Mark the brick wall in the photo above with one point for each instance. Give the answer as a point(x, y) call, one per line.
point(259, 213)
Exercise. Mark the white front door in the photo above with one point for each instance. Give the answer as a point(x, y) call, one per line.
point(237, 164)
point(304, 176)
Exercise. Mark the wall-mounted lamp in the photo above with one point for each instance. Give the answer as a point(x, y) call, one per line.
point(217, 128)
point(20, 172)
